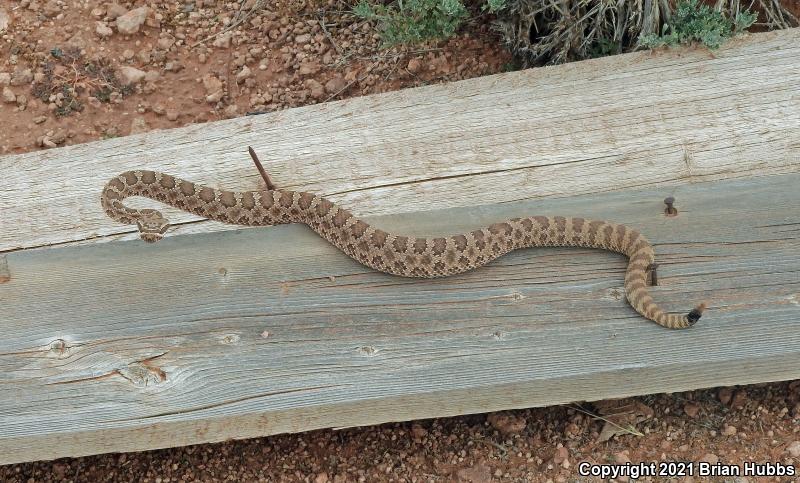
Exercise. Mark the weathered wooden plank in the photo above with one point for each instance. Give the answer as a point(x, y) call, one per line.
point(632, 120)
point(128, 346)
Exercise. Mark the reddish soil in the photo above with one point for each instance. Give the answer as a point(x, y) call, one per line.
point(69, 74)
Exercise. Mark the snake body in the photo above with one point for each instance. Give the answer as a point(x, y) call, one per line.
point(383, 251)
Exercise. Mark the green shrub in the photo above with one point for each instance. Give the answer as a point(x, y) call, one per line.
point(414, 21)
point(701, 23)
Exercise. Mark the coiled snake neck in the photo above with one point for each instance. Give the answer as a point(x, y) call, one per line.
point(388, 252)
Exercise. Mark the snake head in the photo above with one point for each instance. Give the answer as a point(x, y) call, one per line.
point(152, 229)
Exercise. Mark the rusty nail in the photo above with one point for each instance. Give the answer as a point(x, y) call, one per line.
point(260, 168)
point(652, 268)
point(670, 210)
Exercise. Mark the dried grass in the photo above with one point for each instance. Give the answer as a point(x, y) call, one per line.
point(543, 32)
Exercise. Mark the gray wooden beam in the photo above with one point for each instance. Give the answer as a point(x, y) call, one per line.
point(127, 346)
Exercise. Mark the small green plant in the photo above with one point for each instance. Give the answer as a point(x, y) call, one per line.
point(414, 21)
point(698, 22)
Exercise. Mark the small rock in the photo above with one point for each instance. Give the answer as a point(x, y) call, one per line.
point(414, 65)
point(729, 430)
point(302, 39)
point(211, 83)
point(321, 478)
point(725, 394)
point(130, 22)
point(335, 85)
point(173, 66)
point(103, 30)
point(475, 474)
point(5, 20)
point(306, 69)
point(21, 77)
point(794, 449)
point(739, 399)
point(51, 9)
point(115, 10)
point(39, 119)
point(506, 423)
point(621, 458)
point(710, 458)
point(131, 75)
point(172, 114)
point(46, 142)
point(243, 74)
point(164, 43)
point(214, 97)
point(9, 96)
point(77, 40)
point(231, 111)
point(22, 102)
point(5, 78)
point(317, 90)
point(98, 12)
point(143, 56)
point(223, 41)
point(139, 125)
point(418, 431)
point(93, 101)
point(691, 409)
point(561, 455)
point(127, 54)
point(151, 76)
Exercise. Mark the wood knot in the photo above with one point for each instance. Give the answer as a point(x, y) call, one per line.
point(368, 350)
point(230, 339)
point(59, 348)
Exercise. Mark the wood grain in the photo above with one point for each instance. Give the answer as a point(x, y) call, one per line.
point(641, 119)
point(127, 346)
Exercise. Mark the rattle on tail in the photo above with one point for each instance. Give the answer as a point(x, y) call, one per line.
point(387, 252)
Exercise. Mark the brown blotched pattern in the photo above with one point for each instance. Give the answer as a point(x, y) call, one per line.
point(387, 252)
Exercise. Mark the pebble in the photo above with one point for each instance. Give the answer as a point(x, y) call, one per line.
point(691, 409)
point(139, 125)
point(151, 76)
point(321, 478)
point(418, 432)
point(560, 455)
point(115, 10)
point(130, 22)
point(5, 78)
point(794, 449)
point(21, 77)
point(130, 75)
point(506, 423)
point(8, 95)
point(243, 74)
point(725, 394)
point(414, 65)
point(729, 430)
point(127, 54)
point(335, 85)
point(172, 114)
point(317, 90)
point(710, 458)
point(223, 41)
point(475, 474)
point(739, 399)
point(103, 30)
point(5, 20)
point(231, 111)
point(39, 119)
